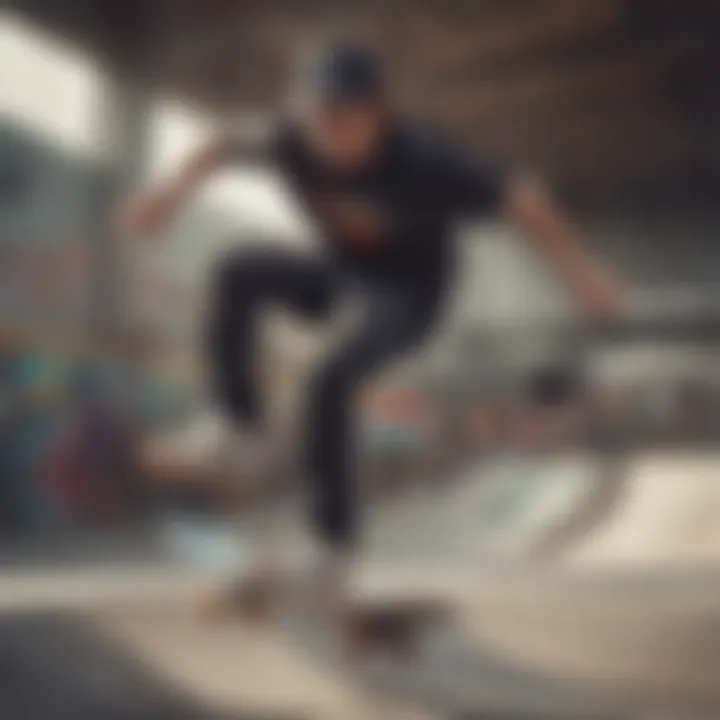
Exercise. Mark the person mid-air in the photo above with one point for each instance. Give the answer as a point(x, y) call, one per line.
point(386, 193)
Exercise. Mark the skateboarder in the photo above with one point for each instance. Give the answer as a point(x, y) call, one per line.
point(385, 193)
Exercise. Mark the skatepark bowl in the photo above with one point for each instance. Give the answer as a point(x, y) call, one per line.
point(580, 590)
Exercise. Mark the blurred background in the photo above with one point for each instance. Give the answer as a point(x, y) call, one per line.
point(520, 456)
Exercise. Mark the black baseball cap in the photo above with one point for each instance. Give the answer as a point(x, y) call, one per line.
point(346, 72)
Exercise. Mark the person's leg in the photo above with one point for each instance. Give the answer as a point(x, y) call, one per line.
point(245, 283)
point(395, 320)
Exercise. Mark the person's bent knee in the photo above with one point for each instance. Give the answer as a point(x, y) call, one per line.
point(239, 271)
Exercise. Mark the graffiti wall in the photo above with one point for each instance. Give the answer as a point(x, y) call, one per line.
point(48, 211)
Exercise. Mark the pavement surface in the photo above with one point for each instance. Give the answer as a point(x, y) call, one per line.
point(615, 619)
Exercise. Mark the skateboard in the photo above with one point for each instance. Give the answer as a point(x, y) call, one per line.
point(394, 627)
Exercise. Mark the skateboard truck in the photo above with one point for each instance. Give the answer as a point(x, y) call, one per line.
point(395, 628)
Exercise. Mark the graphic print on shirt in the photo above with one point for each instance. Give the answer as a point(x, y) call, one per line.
point(354, 219)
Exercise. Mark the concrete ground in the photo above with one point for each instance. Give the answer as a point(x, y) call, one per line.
point(534, 637)
point(154, 661)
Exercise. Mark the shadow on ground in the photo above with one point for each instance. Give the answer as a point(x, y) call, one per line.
point(60, 667)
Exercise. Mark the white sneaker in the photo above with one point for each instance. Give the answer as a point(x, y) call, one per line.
point(204, 443)
point(196, 442)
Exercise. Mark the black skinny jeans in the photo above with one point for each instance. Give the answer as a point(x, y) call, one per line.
point(395, 318)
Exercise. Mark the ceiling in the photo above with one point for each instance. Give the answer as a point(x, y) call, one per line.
point(610, 98)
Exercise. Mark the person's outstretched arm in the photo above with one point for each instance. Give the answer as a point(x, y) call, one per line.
point(478, 188)
point(529, 206)
point(151, 210)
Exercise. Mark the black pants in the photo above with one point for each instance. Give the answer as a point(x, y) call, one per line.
point(395, 318)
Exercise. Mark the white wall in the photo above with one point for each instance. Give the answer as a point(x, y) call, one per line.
point(504, 282)
point(47, 84)
point(499, 283)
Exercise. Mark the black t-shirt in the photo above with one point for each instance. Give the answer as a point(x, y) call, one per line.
point(416, 190)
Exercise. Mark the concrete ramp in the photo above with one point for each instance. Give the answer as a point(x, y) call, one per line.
point(624, 607)
point(627, 595)
point(649, 638)
point(667, 516)
point(506, 510)
point(633, 602)
point(648, 512)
